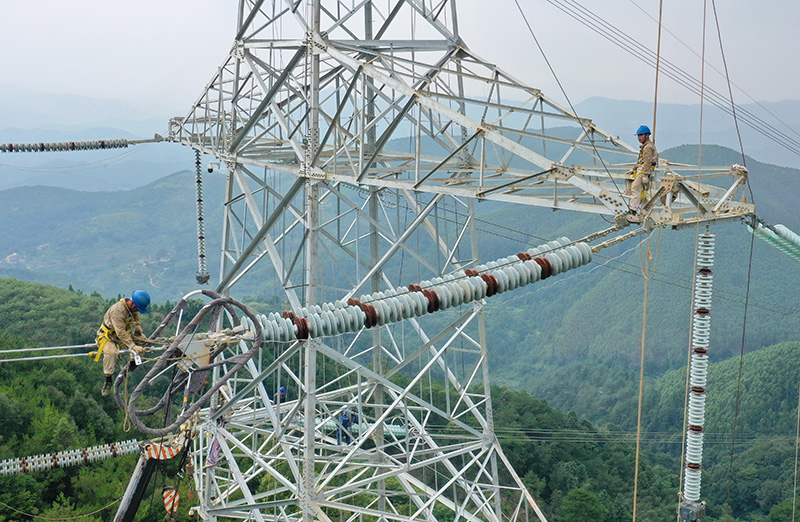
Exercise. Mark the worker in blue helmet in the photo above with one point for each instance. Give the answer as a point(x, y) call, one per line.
point(280, 396)
point(348, 419)
point(121, 329)
point(642, 171)
point(278, 399)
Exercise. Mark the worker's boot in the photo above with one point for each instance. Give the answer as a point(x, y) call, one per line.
point(106, 388)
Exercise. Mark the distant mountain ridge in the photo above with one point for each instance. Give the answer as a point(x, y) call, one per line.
point(137, 229)
point(679, 124)
point(31, 117)
point(111, 241)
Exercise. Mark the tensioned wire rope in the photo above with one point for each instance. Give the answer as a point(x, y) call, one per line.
point(605, 437)
point(681, 77)
point(689, 48)
point(796, 452)
point(645, 257)
point(687, 379)
point(564, 93)
point(749, 268)
point(61, 518)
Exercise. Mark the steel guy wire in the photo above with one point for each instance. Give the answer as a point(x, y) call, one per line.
point(690, 49)
point(614, 35)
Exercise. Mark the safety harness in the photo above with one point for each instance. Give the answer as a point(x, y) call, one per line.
point(107, 333)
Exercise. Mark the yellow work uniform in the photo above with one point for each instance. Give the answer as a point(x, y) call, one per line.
point(648, 157)
point(115, 332)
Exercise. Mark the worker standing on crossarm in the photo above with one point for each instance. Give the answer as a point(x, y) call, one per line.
point(121, 329)
point(641, 173)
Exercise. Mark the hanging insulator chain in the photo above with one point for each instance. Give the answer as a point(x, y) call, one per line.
point(58, 146)
point(202, 273)
point(691, 509)
point(63, 459)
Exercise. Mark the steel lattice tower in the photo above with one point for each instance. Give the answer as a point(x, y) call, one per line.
point(357, 137)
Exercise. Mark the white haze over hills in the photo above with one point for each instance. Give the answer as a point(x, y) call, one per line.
point(679, 124)
point(33, 117)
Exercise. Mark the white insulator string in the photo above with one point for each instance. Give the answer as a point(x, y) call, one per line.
point(698, 368)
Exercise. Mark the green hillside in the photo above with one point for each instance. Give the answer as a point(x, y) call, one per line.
point(108, 242)
point(48, 406)
point(577, 342)
point(574, 342)
point(570, 464)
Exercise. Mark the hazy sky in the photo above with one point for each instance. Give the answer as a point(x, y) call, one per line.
point(159, 54)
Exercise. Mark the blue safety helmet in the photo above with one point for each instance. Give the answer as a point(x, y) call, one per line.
point(643, 129)
point(283, 390)
point(141, 299)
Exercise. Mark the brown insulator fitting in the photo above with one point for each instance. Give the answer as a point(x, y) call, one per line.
point(429, 296)
point(696, 429)
point(703, 311)
point(700, 351)
point(301, 333)
point(368, 320)
point(374, 314)
point(413, 287)
point(435, 300)
point(524, 256)
point(491, 289)
point(494, 282)
point(705, 271)
point(693, 465)
point(698, 390)
point(353, 301)
point(306, 332)
point(470, 272)
point(547, 268)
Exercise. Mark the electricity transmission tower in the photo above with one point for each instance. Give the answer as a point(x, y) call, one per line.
point(357, 137)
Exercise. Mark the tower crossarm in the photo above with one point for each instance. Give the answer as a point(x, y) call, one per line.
point(428, 115)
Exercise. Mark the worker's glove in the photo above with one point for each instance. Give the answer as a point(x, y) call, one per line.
point(139, 349)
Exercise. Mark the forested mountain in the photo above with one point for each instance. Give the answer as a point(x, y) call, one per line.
point(574, 467)
point(574, 342)
point(55, 405)
point(109, 242)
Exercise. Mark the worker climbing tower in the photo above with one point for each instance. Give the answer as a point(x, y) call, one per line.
point(357, 138)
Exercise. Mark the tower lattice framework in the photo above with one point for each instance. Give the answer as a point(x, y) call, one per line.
point(358, 137)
